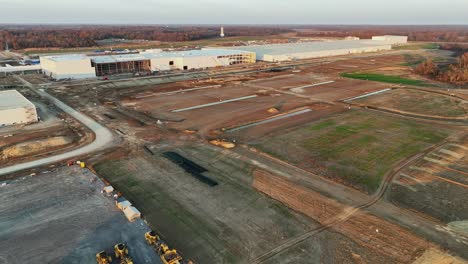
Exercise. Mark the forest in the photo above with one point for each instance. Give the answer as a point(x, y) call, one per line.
point(414, 33)
point(22, 37)
point(455, 73)
point(73, 36)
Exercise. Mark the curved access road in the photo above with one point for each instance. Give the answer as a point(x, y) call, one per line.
point(103, 137)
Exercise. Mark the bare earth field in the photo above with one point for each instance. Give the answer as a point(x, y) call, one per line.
point(232, 222)
point(296, 142)
point(436, 184)
point(419, 102)
point(356, 147)
point(62, 217)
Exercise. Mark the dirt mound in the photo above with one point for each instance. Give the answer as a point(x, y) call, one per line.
point(34, 147)
point(435, 256)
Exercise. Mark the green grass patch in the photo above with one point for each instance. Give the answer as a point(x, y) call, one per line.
point(358, 147)
point(383, 78)
point(417, 46)
point(322, 125)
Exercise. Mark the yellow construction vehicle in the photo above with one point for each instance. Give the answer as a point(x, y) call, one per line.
point(171, 257)
point(126, 260)
point(103, 258)
point(151, 238)
point(161, 248)
point(121, 252)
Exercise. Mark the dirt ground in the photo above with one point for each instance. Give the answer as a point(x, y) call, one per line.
point(228, 223)
point(36, 78)
point(62, 217)
point(234, 222)
point(365, 146)
point(420, 102)
point(436, 184)
point(9, 81)
point(364, 229)
point(53, 133)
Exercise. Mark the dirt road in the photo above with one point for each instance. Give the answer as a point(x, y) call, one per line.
point(103, 136)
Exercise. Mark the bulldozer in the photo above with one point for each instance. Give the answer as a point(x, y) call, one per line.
point(103, 258)
point(171, 257)
point(121, 252)
point(167, 255)
point(151, 238)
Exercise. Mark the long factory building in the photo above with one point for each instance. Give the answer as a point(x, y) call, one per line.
point(81, 66)
point(318, 49)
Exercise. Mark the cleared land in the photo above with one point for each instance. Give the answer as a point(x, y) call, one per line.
point(62, 217)
point(436, 184)
point(420, 102)
point(232, 222)
point(355, 147)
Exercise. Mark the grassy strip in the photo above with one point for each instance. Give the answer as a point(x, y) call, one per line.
point(383, 78)
point(417, 47)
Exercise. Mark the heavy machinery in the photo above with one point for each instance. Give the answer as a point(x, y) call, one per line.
point(167, 255)
point(103, 258)
point(171, 257)
point(151, 237)
point(121, 252)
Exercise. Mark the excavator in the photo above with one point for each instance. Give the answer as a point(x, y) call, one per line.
point(103, 258)
point(121, 252)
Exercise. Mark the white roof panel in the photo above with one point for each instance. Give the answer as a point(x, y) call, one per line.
point(12, 99)
point(67, 57)
point(291, 48)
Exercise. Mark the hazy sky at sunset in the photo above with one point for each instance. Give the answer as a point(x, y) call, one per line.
point(235, 11)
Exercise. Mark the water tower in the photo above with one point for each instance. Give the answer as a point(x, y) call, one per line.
point(222, 32)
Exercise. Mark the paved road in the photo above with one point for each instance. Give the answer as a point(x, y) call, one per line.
point(103, 138)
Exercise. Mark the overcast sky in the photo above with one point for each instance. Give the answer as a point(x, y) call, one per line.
point(235, 11)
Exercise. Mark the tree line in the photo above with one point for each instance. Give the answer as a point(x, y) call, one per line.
point(414, 33)
point(22, 37)
point(456, 73)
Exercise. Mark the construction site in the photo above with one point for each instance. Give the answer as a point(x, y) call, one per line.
point(237, 161)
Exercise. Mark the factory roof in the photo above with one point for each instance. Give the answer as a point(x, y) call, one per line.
point(291, 48)
point(147, 55)
point(165, 54)
point(12, 99)
point(67, 57)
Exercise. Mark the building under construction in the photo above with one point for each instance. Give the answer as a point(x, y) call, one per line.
point(119, 64)
point(149, 62)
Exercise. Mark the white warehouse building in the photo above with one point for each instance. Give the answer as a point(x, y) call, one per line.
point(83, 66)
point(75, 66)
point(307, 50)
point(16, 109)
point(394, 40)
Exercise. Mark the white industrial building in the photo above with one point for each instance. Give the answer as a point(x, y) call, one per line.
point(306, 50)
point(16, 109)
point(151, 61)
point(75, 66)
point(394, 40)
